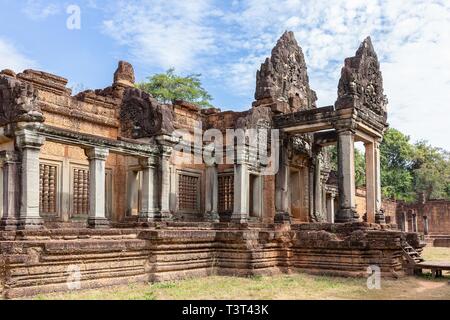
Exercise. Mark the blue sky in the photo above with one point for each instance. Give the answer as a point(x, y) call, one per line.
point(226, 41)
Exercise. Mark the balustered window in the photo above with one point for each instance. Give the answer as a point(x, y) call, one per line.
point(188, 192)
point(48, 188)
point(226, 193)
point(80, 191)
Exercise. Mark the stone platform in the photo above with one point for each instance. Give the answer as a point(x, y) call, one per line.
point(34, 262)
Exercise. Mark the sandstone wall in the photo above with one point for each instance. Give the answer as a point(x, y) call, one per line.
point(437, 211)
point(34, 262)
point(389, 206)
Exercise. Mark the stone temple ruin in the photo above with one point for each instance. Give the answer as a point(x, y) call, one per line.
point(90, 182)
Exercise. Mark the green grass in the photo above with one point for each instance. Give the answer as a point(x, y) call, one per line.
point(295, 286)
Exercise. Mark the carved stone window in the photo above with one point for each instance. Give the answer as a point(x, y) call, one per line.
point(188, 192)
point(48, 188)
point(226, 193)
point(80, 191)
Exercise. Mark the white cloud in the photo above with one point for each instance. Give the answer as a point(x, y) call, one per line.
point(411, 38)
point(40, 10)
point(11, 58)
point(164, 33)
point(227, 45)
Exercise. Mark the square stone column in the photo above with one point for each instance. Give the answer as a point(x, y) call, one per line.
point(166, 145)
point(212, 194)
point(241, 194)
point(318, 192)
point(346, 175)
point(330, 207)
point(165, 183)
point(371, 196)
point(10, 185)
point(405, 222)
point(132, 191)
point(97, 174)
point(282, 185)
point(149, 194)
point(380, 217)
point(426, 226)
point(30, 143)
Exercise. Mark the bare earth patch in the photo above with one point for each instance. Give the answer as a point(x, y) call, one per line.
point(290, 287)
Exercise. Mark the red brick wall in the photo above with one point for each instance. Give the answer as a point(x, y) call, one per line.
point(437, 212)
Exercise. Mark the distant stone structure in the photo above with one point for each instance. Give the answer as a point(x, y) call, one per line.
point(92, 181)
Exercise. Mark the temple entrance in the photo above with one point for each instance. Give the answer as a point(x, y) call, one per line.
point(297, 187)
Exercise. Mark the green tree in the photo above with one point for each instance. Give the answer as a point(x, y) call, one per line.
point(168, 87)
point(397, 158)
point(360, 168)
point(431, 169)
point(360, 165)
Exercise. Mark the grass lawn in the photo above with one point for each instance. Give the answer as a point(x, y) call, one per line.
point(296, 286)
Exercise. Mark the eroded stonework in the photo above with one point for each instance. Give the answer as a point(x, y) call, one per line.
point(283, 79)
point(361, 83)
point(95, 179)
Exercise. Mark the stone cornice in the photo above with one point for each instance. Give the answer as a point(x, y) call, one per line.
point(86, 140)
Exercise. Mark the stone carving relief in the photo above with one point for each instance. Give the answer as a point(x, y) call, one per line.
point(18, 101)
point(361, 83)
point(300, 144)
point(284, 77)
point(142, 116)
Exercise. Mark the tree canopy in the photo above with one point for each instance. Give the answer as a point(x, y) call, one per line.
point(168, 87)
point(409, 171)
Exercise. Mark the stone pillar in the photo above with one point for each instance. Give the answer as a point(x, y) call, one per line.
point(414, 222)
point(166, 144)
point(30, 143)
point(346, 176)
point(212, 194)
point(9, 183)
point(405, 222)
point(330, 207)
point(281, 186)
point(426, 226)
point(241, 193)
point(165, 183)
point(311, 193)
point(380, 217)
point(149, 193)
point(132, 191)
point(97, 174)
point(371, 196)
